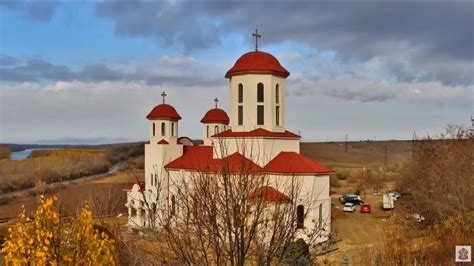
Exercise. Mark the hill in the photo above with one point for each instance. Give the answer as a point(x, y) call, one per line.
point(359, 153)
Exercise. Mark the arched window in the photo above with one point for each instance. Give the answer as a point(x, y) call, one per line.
point(277, 93)
point(153, 129)
point(260, 115)
point(216, 129)
point(152, 179)
point(156, 179)
point(320, 220)
point(173, 205)
point(277, 115)
point(163, 129)
point(172, 129)
point(207, 131)
point(241, 93)
point(260, 92)
point(300, 216)
point(240, 113)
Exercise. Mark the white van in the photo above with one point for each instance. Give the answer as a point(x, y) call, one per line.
point(388, 202)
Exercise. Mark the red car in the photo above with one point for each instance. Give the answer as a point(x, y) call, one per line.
point(365, 208)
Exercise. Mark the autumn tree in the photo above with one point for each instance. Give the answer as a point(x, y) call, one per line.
point(439, 179)
point(48, 239)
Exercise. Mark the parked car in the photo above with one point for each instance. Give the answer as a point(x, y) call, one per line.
point(365, 208)
point(349, 207)
point(387, 202)
point(417, 217)
point(395, 195)
point(355, 199)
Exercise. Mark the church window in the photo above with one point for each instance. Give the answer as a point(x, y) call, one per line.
point(153, 129)
point(300, 216)
point(163, 129)
point(134, 212)
point(152, 179)
point(240, 115)
point(320, 221)
point(260, 92)
point(156, 178)
point(241, 93)
point(216, 129)
point(277, 115)
point(173, 205)
point(277, 93)
point(207, 131)
point(260, 115)
point(172, 129)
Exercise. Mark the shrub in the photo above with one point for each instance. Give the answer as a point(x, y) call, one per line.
point(343, 174)
point(48, 240)
point(4, 152)
point(334, 181)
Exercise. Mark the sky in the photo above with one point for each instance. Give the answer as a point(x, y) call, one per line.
point(90, 72)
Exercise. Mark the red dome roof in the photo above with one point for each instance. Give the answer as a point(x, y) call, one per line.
point(257, 62)
point(216, 116)
point(164, 111)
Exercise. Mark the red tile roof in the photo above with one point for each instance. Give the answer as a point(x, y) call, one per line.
point(294, 163)
point(164, 111)
point(257, 62)
point(163, 141)
point(216, 116)
point(259, 132)
point(199, 158)
point(268, 193)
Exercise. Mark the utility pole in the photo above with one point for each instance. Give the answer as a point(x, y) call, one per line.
point(345, 144)
point(413, 146)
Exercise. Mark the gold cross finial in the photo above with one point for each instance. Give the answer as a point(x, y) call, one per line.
point(216, 100)
point(163, 94)
point(256, 35)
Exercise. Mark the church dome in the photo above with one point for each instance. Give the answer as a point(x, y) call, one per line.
point(164, 111)
point(215, 115)
point(257, 62)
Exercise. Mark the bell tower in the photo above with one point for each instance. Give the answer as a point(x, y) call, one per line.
point(257, 92)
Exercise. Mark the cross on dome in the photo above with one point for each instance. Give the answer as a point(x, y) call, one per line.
point(256, 35)
point(163, 94)
point(216, 101)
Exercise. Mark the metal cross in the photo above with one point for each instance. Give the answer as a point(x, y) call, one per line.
point(216, 100)
point(163, 95)
point(256, 35)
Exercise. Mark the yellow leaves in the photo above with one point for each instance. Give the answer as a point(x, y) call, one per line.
point(43, 240)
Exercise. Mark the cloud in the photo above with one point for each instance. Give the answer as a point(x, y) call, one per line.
point(432, 40)
point(38, 11)
point(179, 71)
point(107, 110)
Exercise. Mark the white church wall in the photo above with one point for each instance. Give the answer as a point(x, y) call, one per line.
point(259, 150)
point(313, 190)
point(210, 129)
point(249, 82)
point(170, 132)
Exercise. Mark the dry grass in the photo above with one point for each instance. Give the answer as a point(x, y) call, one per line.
point(369, 154)
point(51, 166)
point(4, 152)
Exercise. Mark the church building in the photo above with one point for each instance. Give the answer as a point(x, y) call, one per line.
point(252, 129)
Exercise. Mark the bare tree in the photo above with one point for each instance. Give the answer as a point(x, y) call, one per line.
point(440, 178)
point(232, 213)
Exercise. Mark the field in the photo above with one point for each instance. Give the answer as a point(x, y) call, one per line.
point(357, 231)
point(370, 154)
point(49, 166)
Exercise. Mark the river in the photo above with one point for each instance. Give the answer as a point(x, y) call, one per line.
point(20, 155)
